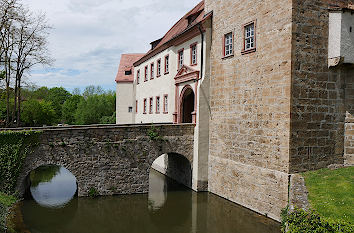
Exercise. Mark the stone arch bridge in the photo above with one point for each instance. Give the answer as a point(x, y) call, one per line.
point(112, 159)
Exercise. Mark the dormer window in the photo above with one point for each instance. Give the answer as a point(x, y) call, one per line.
point(193, 17)
point(128, 72)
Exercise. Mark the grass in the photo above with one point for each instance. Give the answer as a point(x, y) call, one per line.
point(331, 193)
point(6, 201)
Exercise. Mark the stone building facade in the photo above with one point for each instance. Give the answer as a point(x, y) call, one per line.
point(277, 108)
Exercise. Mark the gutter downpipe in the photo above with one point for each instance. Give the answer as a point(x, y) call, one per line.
point(202, 54)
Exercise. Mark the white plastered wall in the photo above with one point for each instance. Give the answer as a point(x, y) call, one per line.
point(347, 40)
point(341, 40)
point(334, 39)
point(124, 100)
point(163, 85)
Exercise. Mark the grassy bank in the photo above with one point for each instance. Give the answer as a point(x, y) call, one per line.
point(331, 196)
point(331, 193)
point(6, 201)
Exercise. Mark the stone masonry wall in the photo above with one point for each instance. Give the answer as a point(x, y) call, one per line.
point(112, 159)
point(349, 119)
point(318, 98)
point(250, 105)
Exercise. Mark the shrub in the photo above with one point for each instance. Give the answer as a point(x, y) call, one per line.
point(300, 221)
point(93, 193)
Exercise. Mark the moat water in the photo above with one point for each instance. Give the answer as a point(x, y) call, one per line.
point(168, 208)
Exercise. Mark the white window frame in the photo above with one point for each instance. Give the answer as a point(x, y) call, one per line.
point(157, 104)
point(151, 105)
point(250, 36)
point(152, 70)
point(138, 77)
point(194, 54)
point(167, 58)
point(145, 106)
point(159, 67)
point(180, 58)
point(165, 103)
point(228, 44)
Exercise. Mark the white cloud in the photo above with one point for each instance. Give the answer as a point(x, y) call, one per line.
point(90, 35)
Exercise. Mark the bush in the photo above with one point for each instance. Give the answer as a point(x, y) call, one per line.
point(300, 221)
point(93, 193)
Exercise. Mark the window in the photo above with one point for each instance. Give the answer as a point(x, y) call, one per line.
point(136, 106)
point(194, 54)
point(152, 71)
point(159, 68)
point(157, 104)
point(145, 106)
point(146, 74)
point(180, 58)
point(128, 72)
point(167, 64)
point(138, 77)
point(249, 43)
point(150, 105)
point(228, 44)
point(165, 104)
point(130, 109)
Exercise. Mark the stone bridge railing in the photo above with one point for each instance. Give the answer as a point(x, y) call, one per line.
point(112, 159)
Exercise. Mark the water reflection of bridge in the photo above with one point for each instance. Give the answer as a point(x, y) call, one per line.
point(168, 207)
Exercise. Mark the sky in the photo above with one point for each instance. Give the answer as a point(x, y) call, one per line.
point(89, 36)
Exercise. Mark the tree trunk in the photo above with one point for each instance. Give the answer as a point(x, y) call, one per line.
point(14, 111)
point(19, 104)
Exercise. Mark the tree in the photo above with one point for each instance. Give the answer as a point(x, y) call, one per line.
point(94, 108)
point(69, 109)
point(57, 96)
point(92, 90)
point(23, 46)
point(76, 91)
point(38, 113)
point(108, 119)
point(30, 49)
point(8, 14)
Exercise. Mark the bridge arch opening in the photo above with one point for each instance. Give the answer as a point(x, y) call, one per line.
point(170, 182)
point(51, 186)
point(175, 166)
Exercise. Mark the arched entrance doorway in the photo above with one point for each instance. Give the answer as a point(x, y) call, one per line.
point(187, 105)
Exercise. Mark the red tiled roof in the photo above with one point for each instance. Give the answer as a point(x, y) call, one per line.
point(126, 64)
point(180, 27)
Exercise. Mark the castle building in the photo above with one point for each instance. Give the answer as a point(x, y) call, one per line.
point(269, 85)
point(166, 78)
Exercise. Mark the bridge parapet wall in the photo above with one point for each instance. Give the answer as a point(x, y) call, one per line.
point(109, 159)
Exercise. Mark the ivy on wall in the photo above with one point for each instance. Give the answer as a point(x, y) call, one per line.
point(14, 147)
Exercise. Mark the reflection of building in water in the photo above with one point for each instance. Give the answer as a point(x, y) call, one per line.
point(157, 190)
